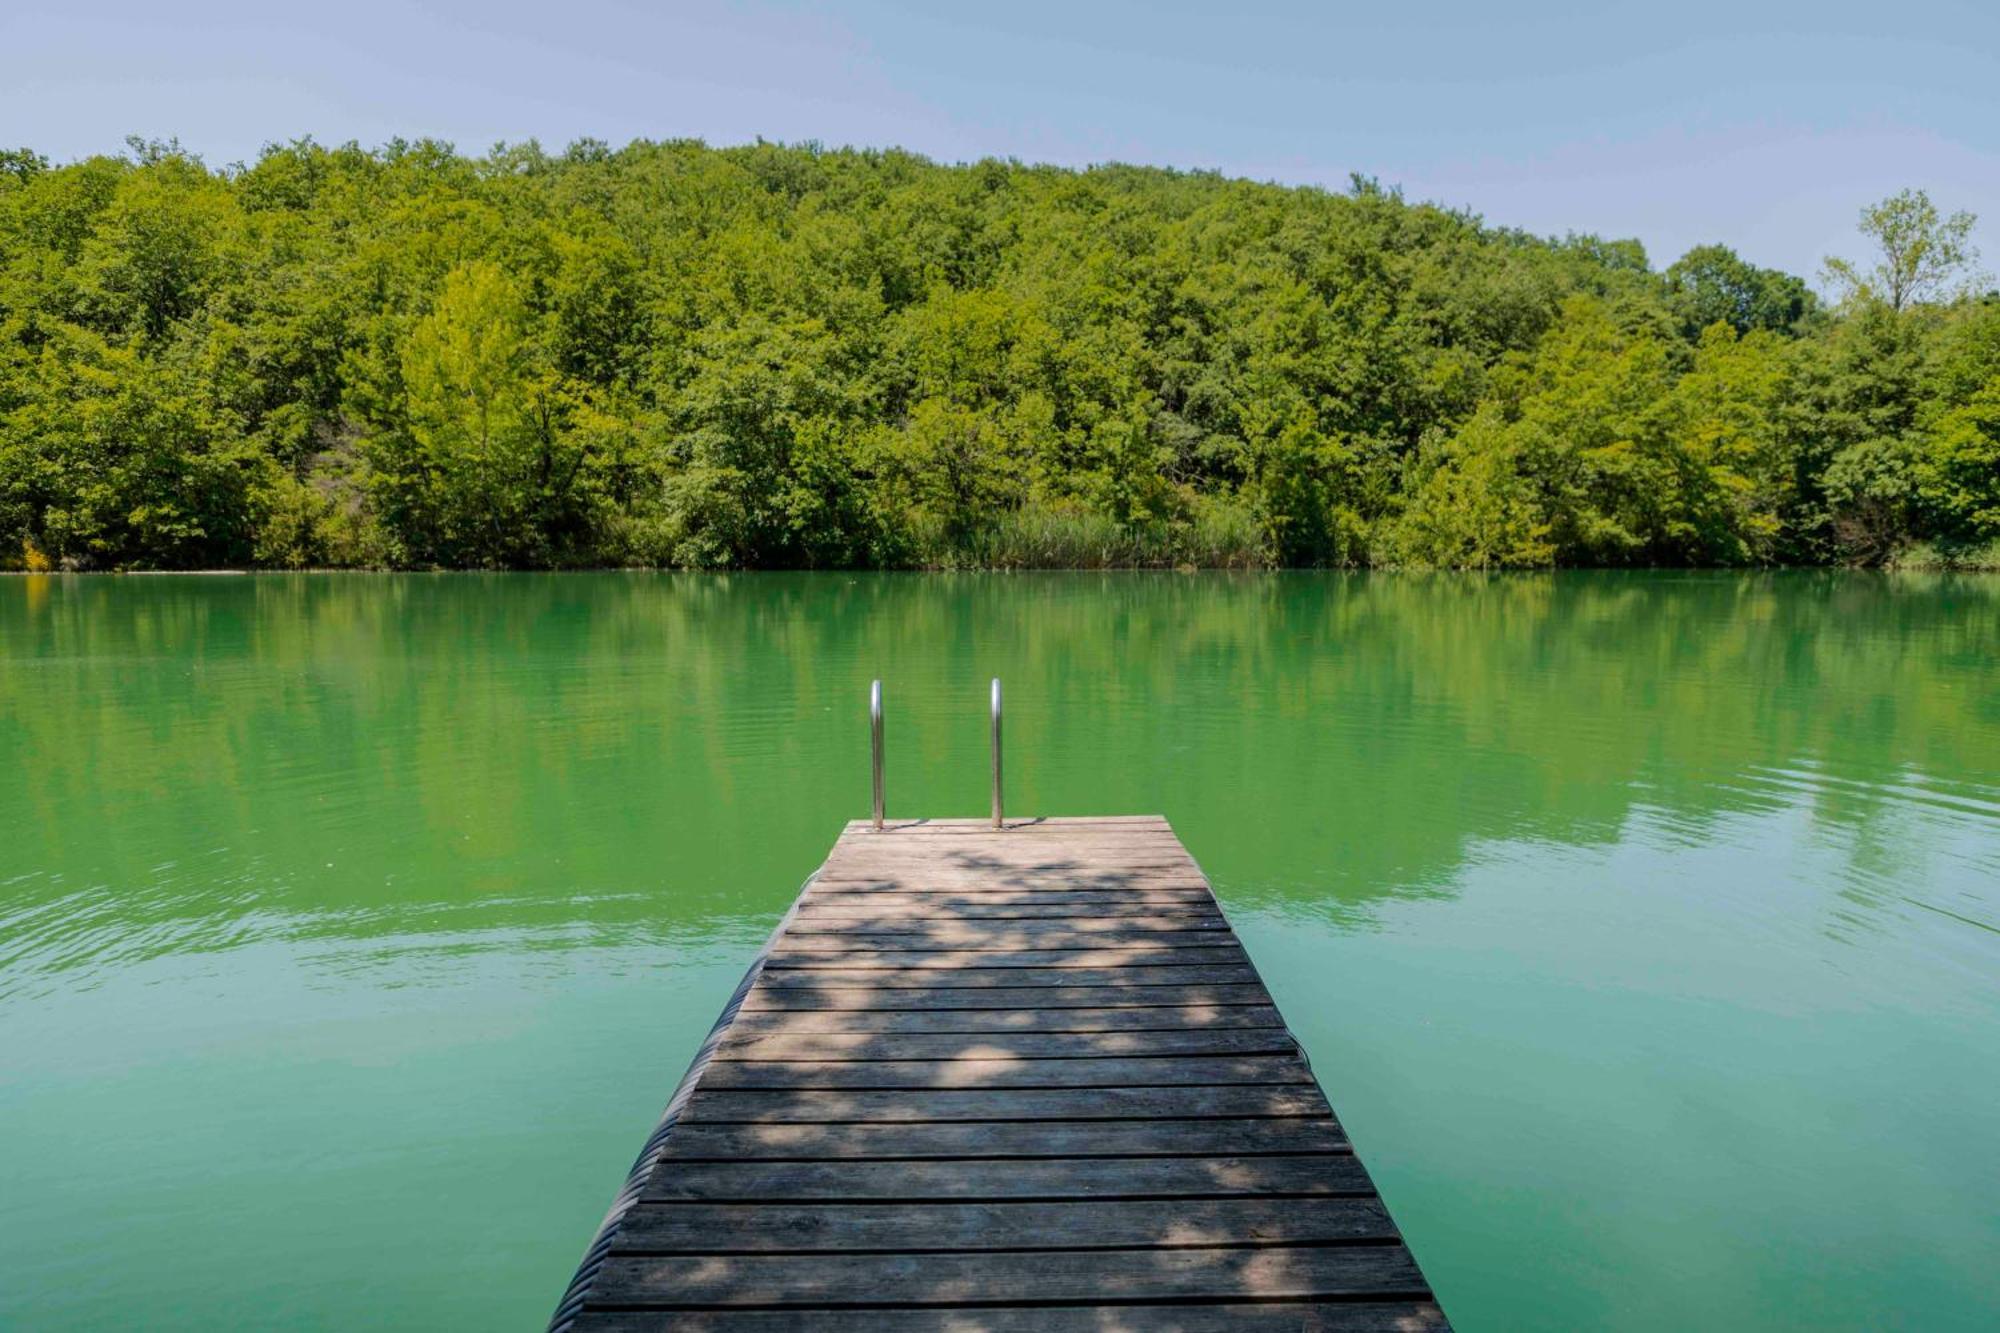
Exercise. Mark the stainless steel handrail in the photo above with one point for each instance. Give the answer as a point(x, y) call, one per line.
point(875, 746)
point(875, 752)
point(996, 752)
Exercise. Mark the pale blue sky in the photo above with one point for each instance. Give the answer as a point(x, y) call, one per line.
point(1765, 126)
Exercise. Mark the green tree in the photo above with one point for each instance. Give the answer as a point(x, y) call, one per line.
point(1710, 284)
point(1957, 470)
point(758, 469)
point(1726, 429)
point(1470, 505)
point(1923, 255)
point(1857, 419)
point(481, 458)
point(955, 467)
point(1958, 474)
point(18, 165)
point(1299, 486)
point(107, 460)
point(165, 242)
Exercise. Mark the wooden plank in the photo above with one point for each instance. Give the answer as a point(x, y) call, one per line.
point(1014, 823)
point(1120, 1072)
point(712, 1105)
point(1158, 1018)
point(971, 891)
point(1179, 1317)
point(937, 925)
point(1185, 895)
point(1027, 1178)
point(724, 1228)
point(1067, 827)
point(1125, 852)
point(949, 960)
point(1139, 845)
point(1068, 830)
point(819, 951)
point(1288, 1272)
point(1005, 873)
point(1008, 977)
point(976, 822)
point(944, 929)
point(1147, 902)
point(912, 842)
point(1000, 1046)
point(1138, 848)
point(1003, 885)
point(803, 992)
point(994, 937)
point(1142, 904)
point(837, 909)
point(1130, 848)
point(1111, 1138)
point(1126, 862)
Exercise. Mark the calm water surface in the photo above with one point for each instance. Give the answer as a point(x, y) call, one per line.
point(1645, 930)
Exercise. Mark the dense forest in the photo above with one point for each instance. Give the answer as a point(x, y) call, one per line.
point(769, 356)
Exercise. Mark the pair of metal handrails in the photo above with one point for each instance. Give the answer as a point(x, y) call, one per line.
point(875, 748)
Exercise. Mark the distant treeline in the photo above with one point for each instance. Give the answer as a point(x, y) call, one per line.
point(669, 354)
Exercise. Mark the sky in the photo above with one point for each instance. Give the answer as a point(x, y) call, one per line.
point(1764, 126)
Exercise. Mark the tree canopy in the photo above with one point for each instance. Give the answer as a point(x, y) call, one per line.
point(671, 354)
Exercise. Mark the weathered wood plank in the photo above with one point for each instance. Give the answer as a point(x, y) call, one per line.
point(1288, 1272)
point(712, 1105)
point(1179, 1317)
point(837, 911)
point(945, 929)
point(808, 995)
point(723, 1228)
point(993, 937)
point(1037, 824)
point(1010, 977)
point(1065, 831)
point(949, 960)
point(1187, 891)
point(1069, 828)
point(913, 842)
point(1120, 1072)
point(1007, 853)
point(1140, 847)
point(1015, 874)
point(1119, 1138)
point(1160, 1018)
point(1026, 1178)
point(1150, 904)
point(834, 910)
point(1139, 843)
point(1003, 886)
point(1125, 855)
point(1127, 863)
point(1000, 1046)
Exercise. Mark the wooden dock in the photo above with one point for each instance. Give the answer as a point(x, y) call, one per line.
point(1001, 1079)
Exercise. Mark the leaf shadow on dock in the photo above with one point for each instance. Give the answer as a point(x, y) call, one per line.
point(1003, 1081)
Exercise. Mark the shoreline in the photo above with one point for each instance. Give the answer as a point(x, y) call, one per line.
point(249, 571)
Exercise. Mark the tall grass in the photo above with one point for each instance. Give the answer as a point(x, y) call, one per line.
point(1939, 555)
point(1216, 535)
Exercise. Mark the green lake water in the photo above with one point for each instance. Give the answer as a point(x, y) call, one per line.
point(1644, 929)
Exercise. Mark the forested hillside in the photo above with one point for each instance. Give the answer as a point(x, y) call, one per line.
point(669, 354)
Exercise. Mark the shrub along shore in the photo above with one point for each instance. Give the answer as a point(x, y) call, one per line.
point(767, 356)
